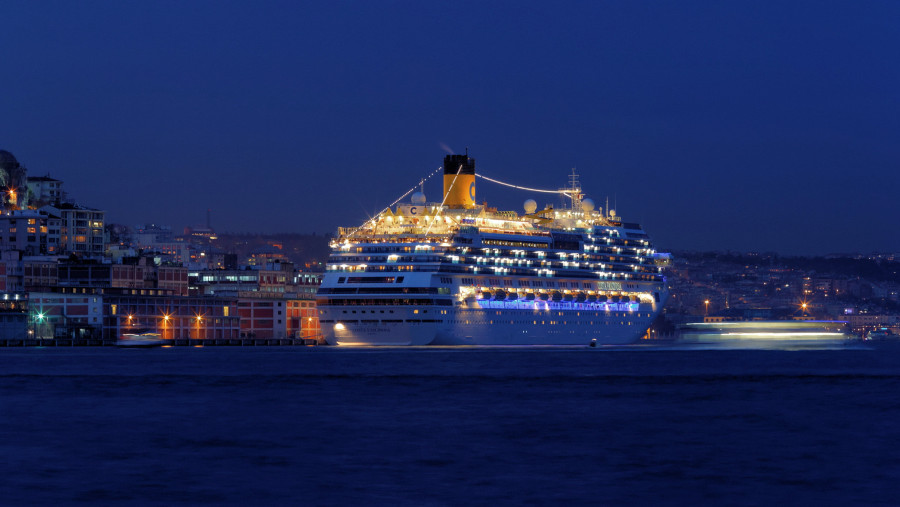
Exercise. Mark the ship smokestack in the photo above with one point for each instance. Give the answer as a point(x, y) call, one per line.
point(459, 181)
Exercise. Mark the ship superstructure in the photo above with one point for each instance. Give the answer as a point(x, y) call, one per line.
point(458, 273)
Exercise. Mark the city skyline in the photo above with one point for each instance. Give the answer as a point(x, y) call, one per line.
point(758, 127)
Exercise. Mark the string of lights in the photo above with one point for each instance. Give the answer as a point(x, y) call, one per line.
point(522, 188)
point(443, 201)
point(389, 206)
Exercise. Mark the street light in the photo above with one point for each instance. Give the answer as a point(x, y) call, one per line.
point(199, 321)
point(38, 323)
point(707, 307)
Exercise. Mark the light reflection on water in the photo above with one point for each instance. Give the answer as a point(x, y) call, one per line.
point(448, 426)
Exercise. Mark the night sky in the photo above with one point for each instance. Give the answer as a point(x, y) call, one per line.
point(766, 126)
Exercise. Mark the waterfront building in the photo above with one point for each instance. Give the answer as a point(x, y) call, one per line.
point(303, 319)
point(274, 301)
point(263, 316)
point(71, 313)
point(103, 314)
point(14, 321)
point(173, 317)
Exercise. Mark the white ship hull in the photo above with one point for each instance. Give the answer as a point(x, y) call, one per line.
point(490, 324)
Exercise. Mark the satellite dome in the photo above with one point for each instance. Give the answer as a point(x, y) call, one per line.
point(587, 205)
point(530, 206)
point(418, 198)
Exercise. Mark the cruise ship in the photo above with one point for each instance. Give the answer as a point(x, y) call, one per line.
point(455, 272)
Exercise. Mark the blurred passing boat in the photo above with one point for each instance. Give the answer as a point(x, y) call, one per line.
point(767, 334)
point(140, 340)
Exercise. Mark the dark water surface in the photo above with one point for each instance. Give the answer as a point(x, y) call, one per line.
point(326, 426)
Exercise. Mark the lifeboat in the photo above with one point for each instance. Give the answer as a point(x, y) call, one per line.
point(581, 297)
point(499, 295)
point(614, 299)
point(529, 296)
point(544, 296)
point(512, 296)
point(592, 298)
point(568, 298)
point(556, 296)
point(602, 299)
point(484, 294)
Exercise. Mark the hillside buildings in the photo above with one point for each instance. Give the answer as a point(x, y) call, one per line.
point(67, 277)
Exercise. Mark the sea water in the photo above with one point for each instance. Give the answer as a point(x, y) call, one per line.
point(448, 426)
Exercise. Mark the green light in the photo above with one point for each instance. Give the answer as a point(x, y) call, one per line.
point(40, 317)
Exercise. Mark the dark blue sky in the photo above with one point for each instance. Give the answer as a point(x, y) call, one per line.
point(718, 125)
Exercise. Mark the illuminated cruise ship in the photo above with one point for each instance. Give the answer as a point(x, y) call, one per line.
point(458, 273)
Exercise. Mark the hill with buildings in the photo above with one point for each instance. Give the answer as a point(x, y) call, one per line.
point(863, 290)
point(69, 277)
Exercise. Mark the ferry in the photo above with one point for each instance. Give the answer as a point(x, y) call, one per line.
point(454, 272)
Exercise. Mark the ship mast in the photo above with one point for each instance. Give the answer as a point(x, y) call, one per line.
point(574, 191)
